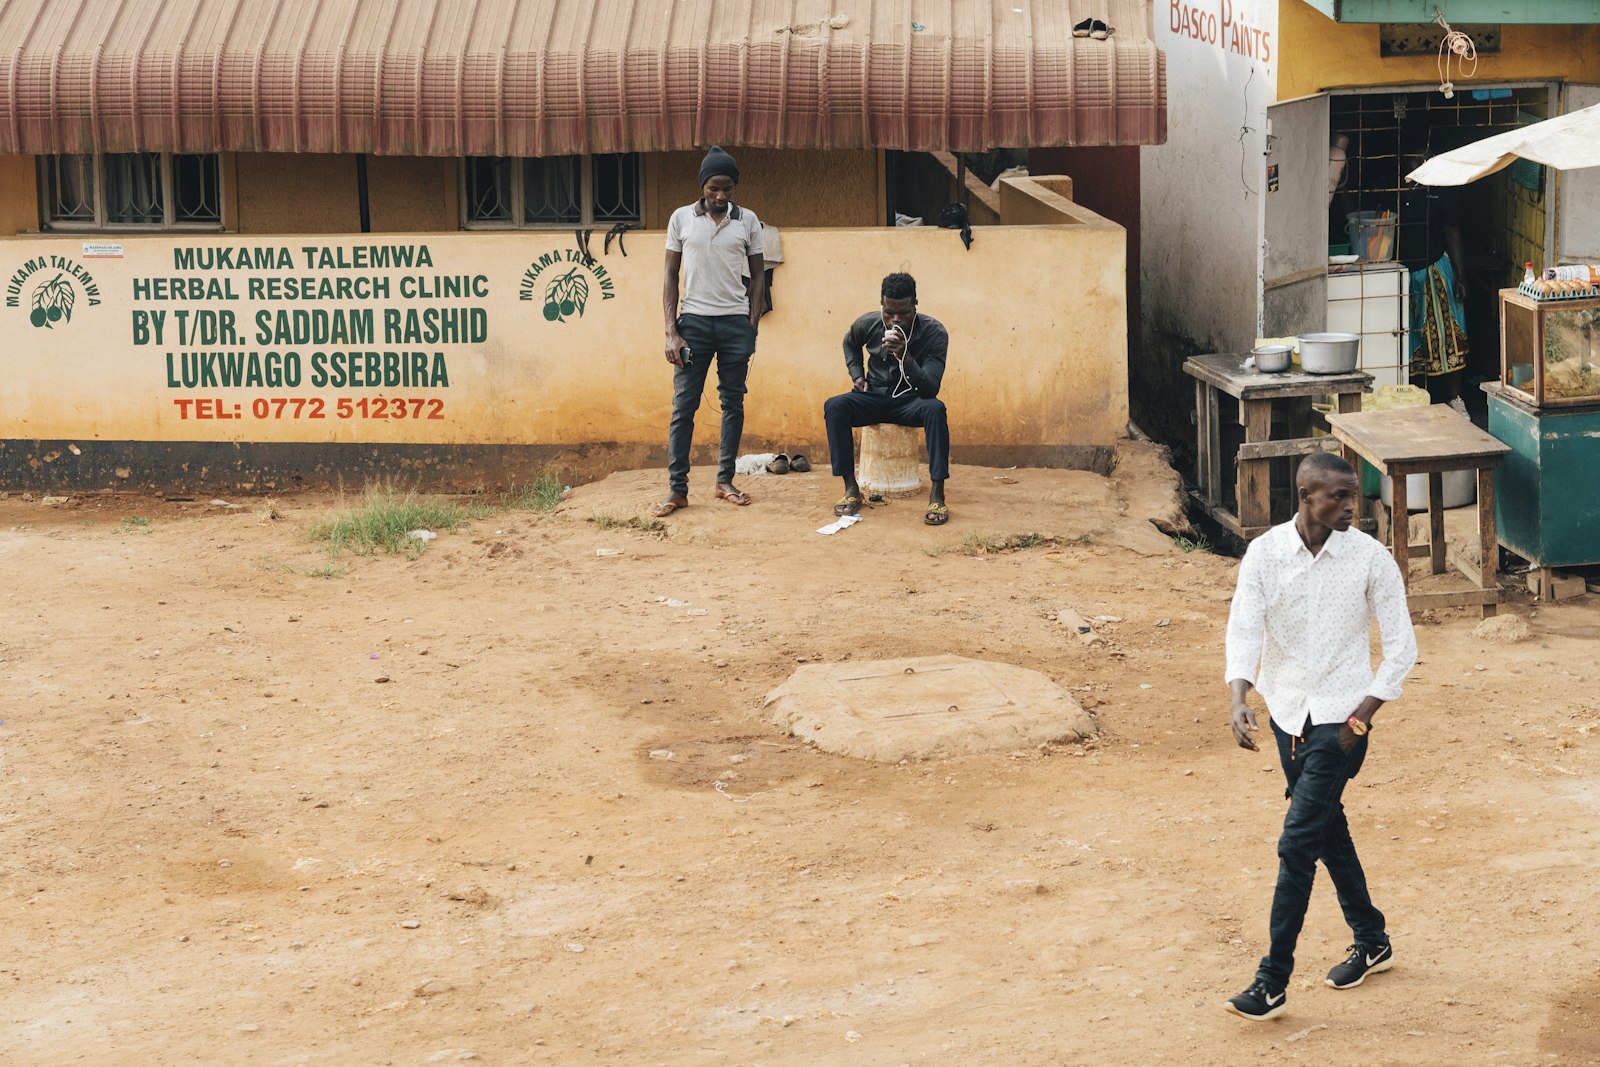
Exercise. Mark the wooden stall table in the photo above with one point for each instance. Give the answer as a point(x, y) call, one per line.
point(1429, 441)
point(1257, 395)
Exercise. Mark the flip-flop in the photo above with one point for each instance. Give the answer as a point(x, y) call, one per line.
point(936, 515)
point(664, 508)
point(799, 464)
point(1082, 29)
point(849, 504)
point(780, 465)
point(732, 495)
point(1100, 31)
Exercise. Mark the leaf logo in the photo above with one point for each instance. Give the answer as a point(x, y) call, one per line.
point(566, 296)
point(52, 302)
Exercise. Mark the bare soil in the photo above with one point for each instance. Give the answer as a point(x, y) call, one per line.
point(514, 801)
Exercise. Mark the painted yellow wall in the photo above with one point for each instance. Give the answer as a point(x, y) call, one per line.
point(1037, 316)
point(785, 187)
point(288, 193)
point(1316, 53)
point(19, 204)
point(413, 194)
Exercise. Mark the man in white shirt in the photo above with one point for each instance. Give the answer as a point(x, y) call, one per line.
point(1307, 594)
point(717, 244)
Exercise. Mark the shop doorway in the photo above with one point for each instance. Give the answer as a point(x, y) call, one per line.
point(1488, 229)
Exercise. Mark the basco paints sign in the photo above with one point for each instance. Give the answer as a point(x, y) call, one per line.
point(1222, 24)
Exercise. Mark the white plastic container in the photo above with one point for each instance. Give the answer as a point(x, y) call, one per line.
point(1460, 489)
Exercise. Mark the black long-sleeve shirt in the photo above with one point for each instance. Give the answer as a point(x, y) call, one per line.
point(928, 347)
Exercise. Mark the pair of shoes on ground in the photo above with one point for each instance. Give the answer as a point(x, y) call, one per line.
point(1092, 28)
point(783, 464)
point(1262, 1002)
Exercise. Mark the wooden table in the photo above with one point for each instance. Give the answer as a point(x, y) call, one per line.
point(1429, 441)
point(1257, 394)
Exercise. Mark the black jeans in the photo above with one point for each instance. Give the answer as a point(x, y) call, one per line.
point(1314, 828)
point(731, 341)
point(845, 412)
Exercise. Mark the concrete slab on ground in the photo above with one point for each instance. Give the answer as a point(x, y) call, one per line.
point(925, 708)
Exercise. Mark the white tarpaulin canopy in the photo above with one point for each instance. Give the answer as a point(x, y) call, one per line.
point(1570, 142)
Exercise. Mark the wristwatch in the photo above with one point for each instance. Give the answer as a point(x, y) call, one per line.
point(1357, 727)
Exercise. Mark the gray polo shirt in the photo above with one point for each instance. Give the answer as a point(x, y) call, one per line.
point(716, 257)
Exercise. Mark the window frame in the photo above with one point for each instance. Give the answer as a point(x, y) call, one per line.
point(102, 224)
point(586, 218)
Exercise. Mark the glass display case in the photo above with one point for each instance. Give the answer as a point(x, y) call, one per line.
point(1550, 348)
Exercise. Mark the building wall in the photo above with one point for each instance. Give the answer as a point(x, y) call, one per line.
point(568, 374)
point(785, 187)
point(19, 201)
point(296, 193)
point(1201, 206)
point(1319, 54)
point(412, 194)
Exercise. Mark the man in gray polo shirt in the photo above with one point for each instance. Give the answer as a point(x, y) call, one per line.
point(715, 243)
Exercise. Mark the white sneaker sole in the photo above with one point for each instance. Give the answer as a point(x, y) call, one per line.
point(1376, 968)
point(1228, 1007)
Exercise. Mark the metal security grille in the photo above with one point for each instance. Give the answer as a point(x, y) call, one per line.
point(499, 192)
point(131, 190)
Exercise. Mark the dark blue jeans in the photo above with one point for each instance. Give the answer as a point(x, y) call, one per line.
point(843, 413)
point(1315, 829)
point(730, 340)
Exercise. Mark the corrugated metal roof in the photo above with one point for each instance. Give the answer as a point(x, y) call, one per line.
point(556, 77)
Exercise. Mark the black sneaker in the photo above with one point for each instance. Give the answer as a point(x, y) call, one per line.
point(1260, 1002)
point(1364, 960)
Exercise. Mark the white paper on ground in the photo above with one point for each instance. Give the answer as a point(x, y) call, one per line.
point(843, 522)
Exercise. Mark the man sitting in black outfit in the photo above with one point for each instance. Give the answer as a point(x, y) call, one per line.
point(899, 384)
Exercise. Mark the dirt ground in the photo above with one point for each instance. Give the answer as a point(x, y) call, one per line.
point(259, 809)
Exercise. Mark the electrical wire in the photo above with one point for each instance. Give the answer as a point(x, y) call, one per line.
point(1457, 44)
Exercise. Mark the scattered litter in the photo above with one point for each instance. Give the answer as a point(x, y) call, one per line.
point(421, 535)
point(1079, 625)
point(608, 551)
point(54, 499)
point(843, 522)
point(575, 947)
point(661, 753)
point(753, 464)
point(672, 602)
point(1146, 685)
point(220, 503)
point(1163, 622)
point(1308, 1031)
point(695, 611)
point(917, 27)
point(410, 924)
point(1416, 1033)
point(1107, 618)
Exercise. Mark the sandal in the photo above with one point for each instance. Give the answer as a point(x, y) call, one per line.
point(732, 495)
point(936, 515)
point(849, 504)
point(666, 507)
point(799, 464)
point(1100, 31)
point(1082, 29)
point(780, 465)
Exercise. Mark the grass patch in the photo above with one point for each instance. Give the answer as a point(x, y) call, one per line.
point(1200, 543)
point(331, 570)
point(384, 518)
point(545, 494)
point(992, 544)
point(633, 522)
point(135, 521)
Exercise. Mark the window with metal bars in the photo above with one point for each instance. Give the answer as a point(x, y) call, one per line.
point(501, 192)
point(131, 190)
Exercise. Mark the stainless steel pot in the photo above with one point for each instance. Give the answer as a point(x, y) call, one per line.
point(1271, 359)
point(1329, 353)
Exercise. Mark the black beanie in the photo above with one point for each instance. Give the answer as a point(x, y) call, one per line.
point(718, 162)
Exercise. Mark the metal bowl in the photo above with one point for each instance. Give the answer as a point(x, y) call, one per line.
point(1271, 359)
point(1329, 353)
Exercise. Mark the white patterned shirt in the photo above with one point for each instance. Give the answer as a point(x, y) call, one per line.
point(1305, 620)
